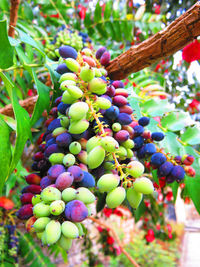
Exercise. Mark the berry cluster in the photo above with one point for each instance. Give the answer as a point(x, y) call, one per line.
point(66, 37)
point(91, 133)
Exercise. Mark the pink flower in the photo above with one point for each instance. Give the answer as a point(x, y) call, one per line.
point(191, 52)
point(110, 240)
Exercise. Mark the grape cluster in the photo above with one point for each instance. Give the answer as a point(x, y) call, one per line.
point(66, 37)
point(91, 132)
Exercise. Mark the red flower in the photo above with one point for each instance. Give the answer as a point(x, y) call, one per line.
point(169, 228)
point(82, 11)
point(162, 183)
point(169, 196)
point(191, 52)
point(118, 212)
point(146, 219)
point(158, 227)
point(150, 232)
point(99, 229)
point(194, 106)
point(30, 92)
point(107, 212)
point(170, 235)
point(110, 240)
point(149, 238)
point(6, 203)
point(55, 16)
point(157, 9)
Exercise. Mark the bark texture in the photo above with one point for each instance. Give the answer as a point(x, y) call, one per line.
point(27, 104)
point(164, 43)
point(13, 17)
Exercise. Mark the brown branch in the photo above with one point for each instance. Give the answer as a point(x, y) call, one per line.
point(164, 43)
point(13, 17)
point(104, 225)
point(27, 104)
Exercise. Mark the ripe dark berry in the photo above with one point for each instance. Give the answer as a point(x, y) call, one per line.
point(144, 121)
point(62, 68)
point(138, 130)
point(157, 159)
point(25, 212)
point(100, 52)
point(165, 169)
point(67, 51)
point(157, 136)
point(139, 141)
point(150, 149)
point(178, 173)
point(124, 119)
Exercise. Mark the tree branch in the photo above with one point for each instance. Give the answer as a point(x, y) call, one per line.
point(164, 43)
point(104, 225)
point(13, 17)
point(28, 104)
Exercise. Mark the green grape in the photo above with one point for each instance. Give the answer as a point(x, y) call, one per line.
point(128, 144)
point(115, 197)
point(75, 148)
point(50, 194)
point(72, 64)
point(52, 232)
point(64, 85)
point(87, 74)
point(143, 185)
point(74, 91)
point(121, 152)
point(41, 223)
point(68, 76)
point(69, 230)
point(41, 210)
point(97, 86)
point(103, 103)
point(58, 131)
point(36, 199)
point(68, 194)
point(78, 127)
point(80, 229)
point(92, 143)
point(78, 110)
point(67, 98)
point(108, 182)
point(109, 144)
point(95, 157)
point(116, 127)
point(135, 169)
point(69, 160)
point(65, 243)
point(57, 207)
point(56, 158)
point(129, 153)
point(134, 198)
point(85, 195)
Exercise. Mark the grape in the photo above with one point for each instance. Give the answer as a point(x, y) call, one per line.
point(129, 153)
point(110, 90)
point(58, 131)
point(143, 185)
point(119, 100)
point(78, 110)
point(43, 238)
point(109, 144)
point(29, 224)
point(112, 113)
point(103, 103)
point(158, 159)
point(50, 194)
point(62, 68)
point(170, 179)
point(135, 169)
point(72, 64)
point(65, 243)
point(118, 84)
point(25, 212)
point(100, 52)
point(138, 141)
point(108, 182)
point(68, 194)
point(143, 121)
point(26, 198)
point(178, 173)
point(188, 159)
point(122, 136)
point(41, 210)
point(97, 86)
point(38, 156)
point(105, 58)
point(157, 136)
point(121, 152)
point(149, 149)
point(67, 98)
point(84, 195)
point(68, 76)
point(88, 180)
point(62, 108)
point(165, 169)
point(96, 157)
point(69, 160)
point(87, 74)
point(134, 198)
point(69, 230)
point(41, 223)
point(75, 148)
point(76, 211)
point(33, 188)
point(116, 127)
point(86, 51)
point(74, 91)
point(52, 232)
point(90, 61)
point(36, 199)
point(115, 197)
point(56, 158)
point(80, 229)
point(124, 118)
point(53, 125)
point(76, 172)
point(55, 171)
point(138, 130)
point(67, 52)
point(64, 140)
point(52, 149)
point(64, 180)
point(128, 144)
point(82, 157)
point(57, 207)
point(126, 109)
point(78, 127)
point(92, 143)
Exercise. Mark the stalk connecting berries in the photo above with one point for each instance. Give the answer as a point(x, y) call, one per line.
point(91, 135)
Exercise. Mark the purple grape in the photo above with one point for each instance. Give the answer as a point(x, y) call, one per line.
point(77, 172)
point(119, 100)
point(118, 84)
point(44, 165)
point(157, 136)
point(55, 171)
point(64, 180)
point(124, 119)
point(58, 100)
point(68, 51)
point(138, 130)
point(54, 148)
point(62, 108)
point(122, 136)
point(88, 180)
point(25, 212)
point(141, 152)
point(170, 179)
point(33, 188)
point(158, 159)
point(76, 211)
point(26, 198)
point(126, 109)
point(144, 121)
point(64, 140)
point(45, 182)
point(50, 142)
point(100, 52)
point(110, 90)
point(165, 169)
point(139, 141)
point(149, 149)
point(62, 68)
point(53, 125)
point(105, 58)
point(178, 173)
point(112, 113)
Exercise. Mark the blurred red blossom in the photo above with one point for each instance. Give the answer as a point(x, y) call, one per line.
point(6, 203)
point(191, 52)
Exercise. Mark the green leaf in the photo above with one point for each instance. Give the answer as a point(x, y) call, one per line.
point(176, 121)
point(23, 129)
point(171, 144)
point(6, 55)
point(5, 152)
point(108, 10)
point(101, 201)
point(97, 13)
point(191, 136)
point(43, 100)
point(134, 102)
point(139, 211)
point(155, 107)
